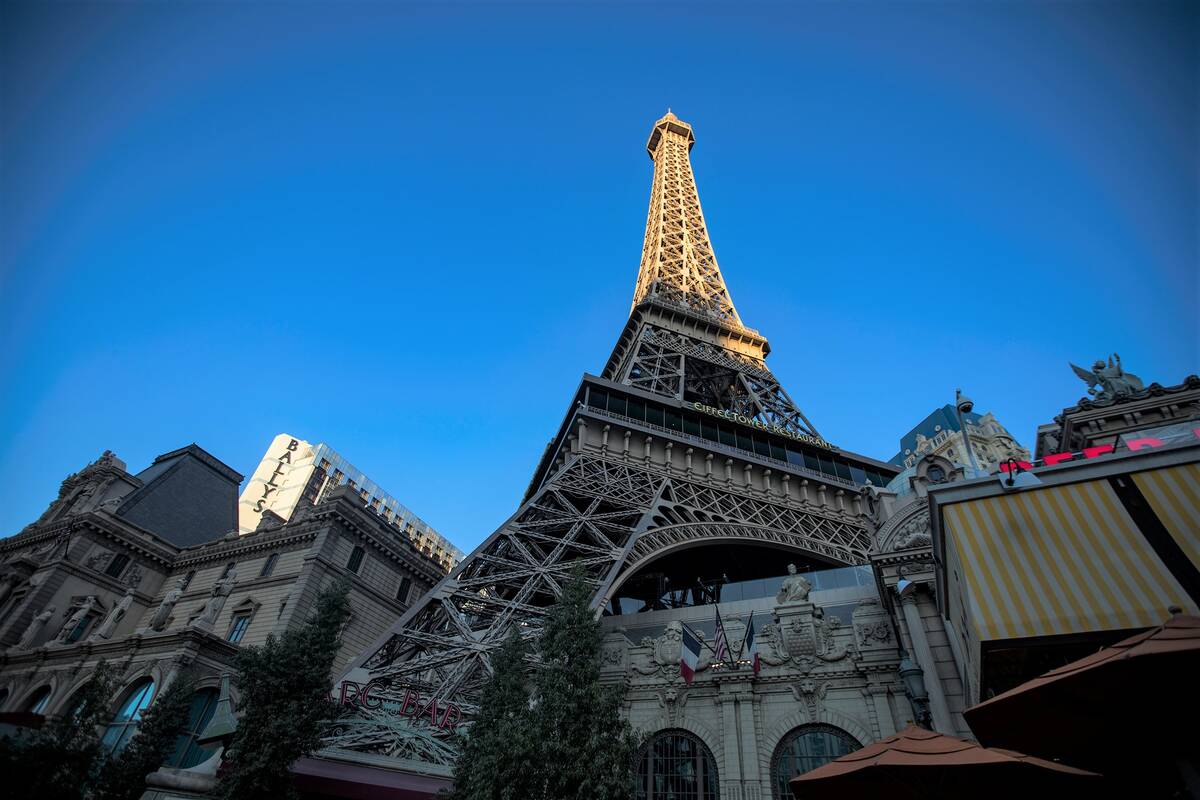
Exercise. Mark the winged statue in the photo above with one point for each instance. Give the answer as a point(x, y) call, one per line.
point(1114, 383)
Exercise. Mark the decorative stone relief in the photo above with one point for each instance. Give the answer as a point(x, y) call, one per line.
point(99, 559)
point(824, 632)
point(771, 647)
point(812, 694)
point(665, 652)
point(671, 701)
point(134, 576)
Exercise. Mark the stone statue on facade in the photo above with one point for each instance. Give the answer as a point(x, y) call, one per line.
point(206, 615)
point(76, 619)
point(35, 627)
point(162, 614)
point(6, 585)
point(1114, 382)
point(795, 587)
point(109, 625)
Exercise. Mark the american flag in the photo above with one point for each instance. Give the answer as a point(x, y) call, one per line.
point(721, 646)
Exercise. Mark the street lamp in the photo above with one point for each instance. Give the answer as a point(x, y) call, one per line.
point(914, 686)
point(963, 405)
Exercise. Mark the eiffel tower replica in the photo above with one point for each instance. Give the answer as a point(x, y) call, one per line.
point(681, 458)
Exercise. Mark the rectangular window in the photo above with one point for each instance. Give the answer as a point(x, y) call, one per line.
point(795, 457)
point(744, 441)
point(617, 404)
point(654, 415)
point(674, 420)
point(777, 452)
point(238, 628)
point(637, 409)
point(708, 429)
point(727, 436)
point(811, 462)
point(827, 465)
point(842, 468)
point(858, 475)
point(403, 590)
point(117, 565)
point(762, 446)
point(598, 399)
point(356, 559)
point(692, 425)
point(269, 565)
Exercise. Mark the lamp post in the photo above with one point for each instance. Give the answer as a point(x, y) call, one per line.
point(963, 405)
point(914, 686)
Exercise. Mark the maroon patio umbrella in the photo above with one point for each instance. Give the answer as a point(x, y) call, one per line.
point(1142, 695)
point(916, 763)
point(1128, 710)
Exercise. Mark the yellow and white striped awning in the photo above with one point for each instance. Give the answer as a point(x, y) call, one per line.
point(1069, 559)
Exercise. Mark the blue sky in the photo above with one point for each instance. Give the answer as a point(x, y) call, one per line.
point(406, 230)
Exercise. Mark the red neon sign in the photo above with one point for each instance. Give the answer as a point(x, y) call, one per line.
point(440, 715)
point(1142, 442)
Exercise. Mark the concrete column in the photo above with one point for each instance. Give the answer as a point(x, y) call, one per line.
point(942, 721)
point(604, 438)
point(787, 487)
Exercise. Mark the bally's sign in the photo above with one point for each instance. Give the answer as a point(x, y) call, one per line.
point(779, 430)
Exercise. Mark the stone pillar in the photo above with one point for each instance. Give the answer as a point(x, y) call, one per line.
point(883, 709)
point(670, 456)
point(625, 448)
point(804, 490)
point(767, 481)
point(787, 487)
point(687, 456)
point(942, 721)
point(604, 438)
point(708, 465)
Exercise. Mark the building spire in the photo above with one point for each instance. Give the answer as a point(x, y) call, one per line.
point(678, 263)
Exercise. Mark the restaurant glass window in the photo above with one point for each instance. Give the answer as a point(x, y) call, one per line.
point(617, 404)
point(676, 765)
point(38, 702)
point(693, 426)
point(598, 399)
point(804, 749)
point(124, 724)
point(674, 420)
point(187, 752)
point(727, 436)
point(637, 409)
point(654, 415)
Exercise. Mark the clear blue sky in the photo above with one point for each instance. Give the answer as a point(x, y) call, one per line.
point(407, 230)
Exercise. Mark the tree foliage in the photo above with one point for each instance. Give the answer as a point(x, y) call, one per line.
point(124, 776)
point(284, 688)
point(566, 740)
point(61, 760)
point(496, 762)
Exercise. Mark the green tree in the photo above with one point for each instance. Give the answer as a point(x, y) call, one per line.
point(60, 761)
point(123, 777)
point(496, 759)
point(284, 702)
point(584, 748)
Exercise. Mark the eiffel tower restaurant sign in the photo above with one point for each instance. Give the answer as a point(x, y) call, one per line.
point(779, 430)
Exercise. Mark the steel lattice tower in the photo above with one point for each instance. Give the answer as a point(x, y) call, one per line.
point(635, 470)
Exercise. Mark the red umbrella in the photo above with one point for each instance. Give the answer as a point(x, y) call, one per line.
point(1128, 710)
point(1145, 685)
point(916, 763)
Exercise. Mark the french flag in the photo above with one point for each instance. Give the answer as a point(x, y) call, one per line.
point(751, 648)
point(689, 655)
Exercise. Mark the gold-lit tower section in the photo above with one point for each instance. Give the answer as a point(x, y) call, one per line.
point(678, 263)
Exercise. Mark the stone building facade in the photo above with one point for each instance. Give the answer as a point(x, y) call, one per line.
point(940, 434)
point(149, 573)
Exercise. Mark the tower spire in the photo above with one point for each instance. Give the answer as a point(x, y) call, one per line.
point(678, 263)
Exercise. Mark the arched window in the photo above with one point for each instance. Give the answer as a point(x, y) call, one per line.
point(356, 559)
point(187, 753)
point(38, 701)
point(804, 749)
point(124, 724)
point(675, 765)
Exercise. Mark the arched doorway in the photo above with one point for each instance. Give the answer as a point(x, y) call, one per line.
point(804, 749)
point(676, 765)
